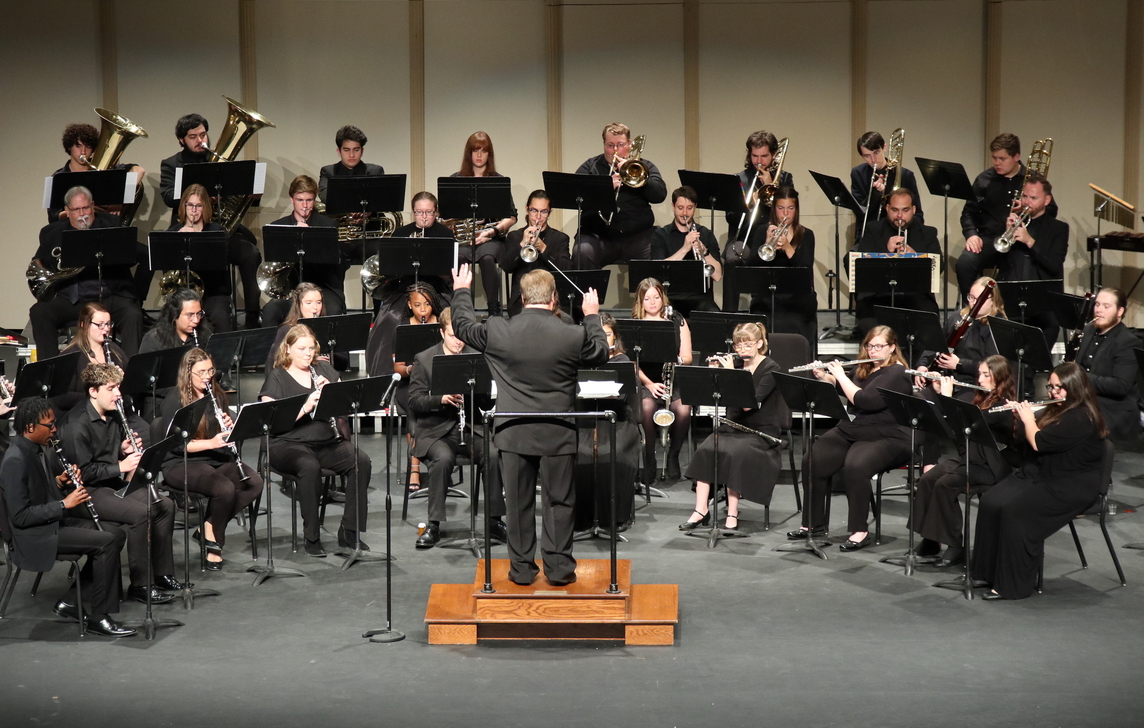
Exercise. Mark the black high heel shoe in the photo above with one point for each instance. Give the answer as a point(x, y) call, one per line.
point(692, 525)
point(210, 545)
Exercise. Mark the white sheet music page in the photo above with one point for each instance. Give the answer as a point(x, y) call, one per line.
point(259, 178)
point(129, 186)
point(47, 192)
point(178, 183)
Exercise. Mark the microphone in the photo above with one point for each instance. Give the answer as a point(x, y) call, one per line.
point(393, 380)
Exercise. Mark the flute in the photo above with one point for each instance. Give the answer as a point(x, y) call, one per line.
point(1035, 405)
point(822, 365)
point(74, 476)
point(934, 376)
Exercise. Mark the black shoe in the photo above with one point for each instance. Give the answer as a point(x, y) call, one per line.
point(801, 534)
point(673, 472)
point(570, 580)
point(928, 547)
point(139, 594)
point(214, 565)
point(253, 320)
point(953, 556)
point(516, 580)
point(66, 610)
point(314, 548)
point(170, 583)
point(430, 537)
point(849, 545)
point(498, 531)
point(349, 540)
point(991, 595)
point(211, 546)
point(495, 309)
point(692, 525)
point(108, 627)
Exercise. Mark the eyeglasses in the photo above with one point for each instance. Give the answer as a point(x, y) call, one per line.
point(1054, 387)
point(204, 375)
point(101, 324)
point(50, 425)
point(196, 316)
point(85, 208)
point(745, 344)
point(877, 347)
point(194, 206)
point(424, 213)
point(534, 211)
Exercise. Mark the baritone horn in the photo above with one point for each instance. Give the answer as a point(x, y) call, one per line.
point(633, 171)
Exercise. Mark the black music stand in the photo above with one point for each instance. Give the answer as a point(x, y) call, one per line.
point(199, 251)
point(349, 398)
point(918, 331)
point(260, 420)
point(475, 198)
point(417, 257)
point(965, 419)
point(580, 192)
point(98, 247)
point(47, 378)
point(107, 187)
point(365, 195)
point(468, 374)
point(679, 277)
point(655, 341)
point(811, 397)
point(1072, 312)
point(345, 332)
point(300, 245)
point(625, 374)
point(946, 180)
point(412, 339)
point(720, 191)
point(221, 180)
point(899, 276)
point(773, 281)
point(571, 285)
point(1024, 296)
point(146, 475)
point(839, 196)
point(232, 350)
point(152, 371)
point(1024, 344)
point(183, 425)
point(712, 332)
point(916, 414)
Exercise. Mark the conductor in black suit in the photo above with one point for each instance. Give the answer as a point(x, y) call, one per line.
point(534, 358)
point(1105, 352)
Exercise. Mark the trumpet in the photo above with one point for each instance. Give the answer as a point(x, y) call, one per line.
point(770, 248)
point(904, 231)
point(226, 431)
point(74, 476)
point(822, 365)
point(529, 252)
point(708, 269)
point(1004, 243)
point(1034, 405)
point(934, 376)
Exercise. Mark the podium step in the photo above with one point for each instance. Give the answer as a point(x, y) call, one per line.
point(640, 614)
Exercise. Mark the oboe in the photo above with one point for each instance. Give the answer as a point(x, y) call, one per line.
point(74, 476)
point(226, 431)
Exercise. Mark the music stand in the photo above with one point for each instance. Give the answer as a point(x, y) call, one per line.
point(899, 276)
point(145, 476)
point(1025, 344)
point(679, 277)
point(572, 284)
point(811, 397)
point(465, 373)
point(1072, 312)
point(365, 195)
point(946, 180)
point(345, 332)
point(349, 398)
point(580, 192)
point(232, 350)
point(839, 196)
point(47, 378)
point(776, 281)
point(655, 341)
point(417, 257)
point(712, 332)
point(1023, 296)
point(242, 178)
point(152, 371)
point(299, 245)
point(918, 330)
point(113, 246)
point(107, 187)
point(625, 374)
point(475, 198)
point(412, 339)
point(723, 192)
point(1106, 206)
point(183, 425)
point(967, 420)
point(261, 420)
point(199, 251)
point(916, 414)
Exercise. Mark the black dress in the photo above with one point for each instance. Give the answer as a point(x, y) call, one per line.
point(1058, 483)
point(747, 463)
point(795, 313)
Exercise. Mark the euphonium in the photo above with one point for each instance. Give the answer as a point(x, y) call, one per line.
point(241, 123)
point(370, 273)
point(275, 279)
point(175, 279)
point(770, 248)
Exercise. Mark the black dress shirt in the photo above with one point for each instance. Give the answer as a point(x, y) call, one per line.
point(94, 444)
point(634, 212)
point(337, 169)
point(85, 285)
point(986, 216)
point(556, 252)
point(860, 188)
point(746, 176)
point(1045, 260)
point(307, 430)
point(1111, 366)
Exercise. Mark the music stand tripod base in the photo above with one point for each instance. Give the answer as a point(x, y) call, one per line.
point(646, 490)
point(354, 555)
point(597, 531)
point(810, 544)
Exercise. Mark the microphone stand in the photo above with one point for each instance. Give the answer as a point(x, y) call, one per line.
point(387, 634)
point(149, 624)
point(356, 554)
point(189, 593)
point(268, 570)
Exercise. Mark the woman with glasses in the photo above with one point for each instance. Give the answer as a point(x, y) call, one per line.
point(93, 341)
point(1057, 483)
point(795, 313)
point(424, 225)
point(211, 468)
point(180, 324)
point(857, 450)
point(748, 464)
point(551, 247)
point(194, 216)
point(963, 363)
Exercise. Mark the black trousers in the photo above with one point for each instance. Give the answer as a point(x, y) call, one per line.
point(49, 316)
point(558, 498)
point(970, 266)
point(100, 575)
point(858, 461)
point(222, 484)
point(131, 513)
point(242, 251)
point(218, 311)
point(486, 256)
point(441, 459)
point(593, 252)
point(937, 512)
point(735, 255)
point(304, 464)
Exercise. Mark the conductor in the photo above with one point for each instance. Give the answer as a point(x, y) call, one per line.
point(532, 378)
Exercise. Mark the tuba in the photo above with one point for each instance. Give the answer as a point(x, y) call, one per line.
point(241, 123)
point(276, 280)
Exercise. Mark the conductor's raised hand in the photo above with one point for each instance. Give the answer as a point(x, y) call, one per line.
point(591, 304)
point(462, 277)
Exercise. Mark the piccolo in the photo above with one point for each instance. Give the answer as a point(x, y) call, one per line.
point(1035, 405)
point(934, 376)
point(823, 365)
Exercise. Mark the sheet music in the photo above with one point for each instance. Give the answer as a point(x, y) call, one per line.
point(595, 389)
point(259, 178)
point(178, 183)
point(129, 184)
point(456, 254)
point(47, 192)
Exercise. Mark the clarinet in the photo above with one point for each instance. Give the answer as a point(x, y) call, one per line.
point(225, 431)
point(74, 476)
point(333, 420)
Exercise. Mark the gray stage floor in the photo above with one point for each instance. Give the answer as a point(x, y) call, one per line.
point(765, 638)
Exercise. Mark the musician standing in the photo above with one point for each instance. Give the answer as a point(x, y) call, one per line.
point(551, 247)
point(627, 235)
point(762, 146)
point(191, 131)
point(868, 188)
point(44, 525)
point(984, 218)
point(117, 293)
point(684, 239)
point(1106, 354)
point(80, 141)
point(351, 145)
point(534, 358)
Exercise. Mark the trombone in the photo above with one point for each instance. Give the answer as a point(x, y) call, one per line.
point(767, 191)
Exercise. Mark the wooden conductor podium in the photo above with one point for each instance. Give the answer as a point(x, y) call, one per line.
point(640, 614)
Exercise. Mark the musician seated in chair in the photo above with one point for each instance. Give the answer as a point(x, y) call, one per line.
point(900, 231)
point(46, 524)
point(195, 215)
point(61, 307)
point(685, 239)
point(106, 447)
point(93, 341)
point(350, 141)
point(180, 324)
point(80, 141)
point(425, 225)
point(974, 346)
point(330, 278)
point(437, 437)
point(1105, 352)
point(191, 131)
point(551, 247)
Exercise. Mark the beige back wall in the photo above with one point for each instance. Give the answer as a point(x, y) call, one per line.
point(785, 66)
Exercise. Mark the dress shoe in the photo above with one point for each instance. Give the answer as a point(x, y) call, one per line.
point(673, 472)
point(953, 556)
point(253, 320)
point(139, 594)
point(521, 581)
point(991, 595)
point(314, 548)
point(430, 537)
point(66, 610)
point(349, 540)
point(555, 582)
point(170, 583)
point(108, 627)
point(849, 545)
point(210, 545)
point(498, 531)
point(495, 309)
point(727, 524)
point(692, 525)
point(801, 534)
point(214, 565)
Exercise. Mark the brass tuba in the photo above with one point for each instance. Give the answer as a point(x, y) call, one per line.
point(276, 280)
point(241, 123)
